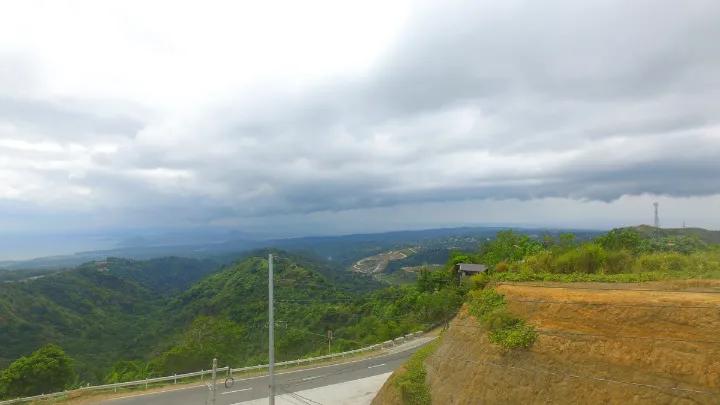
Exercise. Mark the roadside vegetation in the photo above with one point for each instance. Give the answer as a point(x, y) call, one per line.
point(47, 370)
point(413, 386)
point(619, 256)
point(504, 328)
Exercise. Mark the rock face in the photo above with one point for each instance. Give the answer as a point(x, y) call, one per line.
point(646, 347)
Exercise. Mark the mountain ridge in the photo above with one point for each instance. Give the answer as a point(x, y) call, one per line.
point(647, 231)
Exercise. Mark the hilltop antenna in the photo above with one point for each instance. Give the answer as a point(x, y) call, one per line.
point(657, 219)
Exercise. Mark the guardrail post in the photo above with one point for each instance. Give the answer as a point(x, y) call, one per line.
point(202, 375)
point(175, 375)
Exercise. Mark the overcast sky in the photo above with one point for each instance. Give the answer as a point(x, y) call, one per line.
point(358, 116)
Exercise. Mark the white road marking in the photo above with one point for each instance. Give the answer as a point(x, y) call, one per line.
point(232, 392)
point(377, 365)
point(313, 377)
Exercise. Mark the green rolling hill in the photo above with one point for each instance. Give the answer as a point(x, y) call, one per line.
point(705, 235)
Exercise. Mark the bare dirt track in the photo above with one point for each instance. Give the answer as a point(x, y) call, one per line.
point(650, 343)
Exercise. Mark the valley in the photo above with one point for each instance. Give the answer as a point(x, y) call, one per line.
point(124, 319)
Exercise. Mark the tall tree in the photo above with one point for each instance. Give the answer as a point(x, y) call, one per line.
point(47, 370)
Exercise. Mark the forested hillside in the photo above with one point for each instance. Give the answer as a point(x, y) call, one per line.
point(98, 312)
point(307, 304)
point(165, 275)
point(91, 314)
point(121, 319)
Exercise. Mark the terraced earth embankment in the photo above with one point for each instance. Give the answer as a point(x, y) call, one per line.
point(598, 343)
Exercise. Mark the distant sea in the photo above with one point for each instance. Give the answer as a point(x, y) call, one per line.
point(24, 247)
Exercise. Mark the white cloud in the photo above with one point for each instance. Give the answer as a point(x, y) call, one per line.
point(160, 112)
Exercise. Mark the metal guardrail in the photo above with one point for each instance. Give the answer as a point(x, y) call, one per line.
point(115, 385)
point(195, 374)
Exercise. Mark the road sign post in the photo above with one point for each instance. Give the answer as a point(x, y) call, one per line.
point(329, 340)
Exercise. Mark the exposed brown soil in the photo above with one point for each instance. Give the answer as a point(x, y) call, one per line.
point(648, 347)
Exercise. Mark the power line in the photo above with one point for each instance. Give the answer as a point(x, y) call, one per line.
point(605, 289)
point(632, 383)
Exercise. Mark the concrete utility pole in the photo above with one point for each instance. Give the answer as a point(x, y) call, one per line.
point(214, 376)
point(271, 327)
point(329, 339)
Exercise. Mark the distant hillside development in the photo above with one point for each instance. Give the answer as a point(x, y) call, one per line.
point(704, 235)
point(596, 343)
point(378, 263)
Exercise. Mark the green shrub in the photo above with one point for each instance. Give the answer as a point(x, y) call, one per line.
point(519, 336)
point(565, 263)
point(504, 328)
point(412, 384)
point(619, 261)
point(590, 258)
point(675, 262)
point(540, 263)
point(479, 281)
point(515, 267)
point(485, 301)
point(47, 370)
point(499, 318)
point(501, 267)
point(650, 262)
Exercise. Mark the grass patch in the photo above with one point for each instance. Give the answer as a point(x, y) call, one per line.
point(504, 328)
point(605, 278)
point(413, 387)
point(398, 278)
point(617, 267)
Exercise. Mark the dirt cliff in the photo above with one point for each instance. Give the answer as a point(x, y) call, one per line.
point(595, 347)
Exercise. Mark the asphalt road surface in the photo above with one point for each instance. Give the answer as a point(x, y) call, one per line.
point(291, 381)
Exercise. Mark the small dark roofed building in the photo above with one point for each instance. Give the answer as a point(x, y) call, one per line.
point(467, 270)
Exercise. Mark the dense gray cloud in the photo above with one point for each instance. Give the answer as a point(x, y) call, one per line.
point(63, 121)
point(468, 100)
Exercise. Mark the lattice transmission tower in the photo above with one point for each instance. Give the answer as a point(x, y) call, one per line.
point(657, 218)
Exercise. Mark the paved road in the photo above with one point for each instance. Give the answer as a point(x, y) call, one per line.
point(292, 381)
